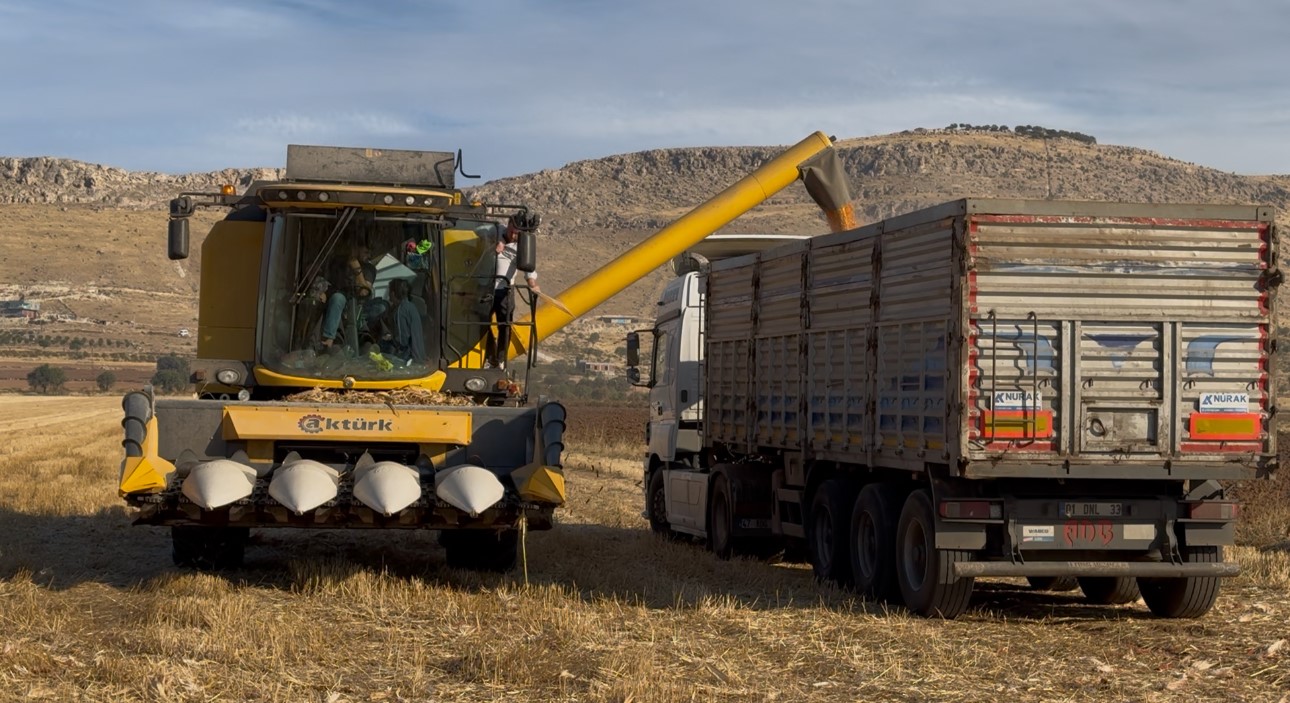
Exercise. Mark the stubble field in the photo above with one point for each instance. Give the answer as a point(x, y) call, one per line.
point(91, 609)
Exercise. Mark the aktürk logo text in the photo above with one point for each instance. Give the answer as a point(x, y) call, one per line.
point(313, 424)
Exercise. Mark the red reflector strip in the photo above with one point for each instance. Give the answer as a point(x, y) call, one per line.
point(1225, 426)
point(965, 509)
point(1016, 424)
point(1214, 510)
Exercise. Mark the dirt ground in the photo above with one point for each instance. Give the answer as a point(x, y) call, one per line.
point(91, 608)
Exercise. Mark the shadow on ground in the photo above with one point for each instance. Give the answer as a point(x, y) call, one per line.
point(595, 562)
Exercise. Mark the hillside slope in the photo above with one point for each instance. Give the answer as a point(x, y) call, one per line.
point(95, 235)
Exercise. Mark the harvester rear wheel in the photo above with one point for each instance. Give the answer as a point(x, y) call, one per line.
point(481, 550)
point(208, 548)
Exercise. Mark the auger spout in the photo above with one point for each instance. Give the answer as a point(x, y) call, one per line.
point(706, 218)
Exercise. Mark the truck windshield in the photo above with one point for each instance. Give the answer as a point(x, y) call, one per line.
point(352, 294)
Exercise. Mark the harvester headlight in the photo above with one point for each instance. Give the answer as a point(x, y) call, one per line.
point(282, 195)
point(301, 195)
point(429, 202)
point(244, 394)
point(323, 197)
point(227, 376)
point(388, 200)
point(476, 384)
point(410, 200)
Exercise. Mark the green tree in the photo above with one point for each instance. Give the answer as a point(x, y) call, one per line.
point(46, 379)
point(105, 380)
point(170, 381)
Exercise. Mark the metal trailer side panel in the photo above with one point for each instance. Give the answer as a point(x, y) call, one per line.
point(840, 299)
point(1109, 320)
point(1133, 343)
point(730, 319)
point(911, 374)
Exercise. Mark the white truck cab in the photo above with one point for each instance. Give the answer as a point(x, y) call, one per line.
point(674, 434)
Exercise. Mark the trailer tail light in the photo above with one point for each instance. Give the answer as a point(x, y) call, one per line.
point(971, 510)
point(1225, 426)
point(1214, 510)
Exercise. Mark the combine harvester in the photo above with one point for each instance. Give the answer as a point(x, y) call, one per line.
point(366, 433)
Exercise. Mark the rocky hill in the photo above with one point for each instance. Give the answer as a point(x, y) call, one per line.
point(597, 208)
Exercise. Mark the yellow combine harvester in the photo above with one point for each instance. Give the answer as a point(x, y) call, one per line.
point(341, 377)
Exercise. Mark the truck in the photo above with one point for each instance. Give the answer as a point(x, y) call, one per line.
point(1056, 390)
point(341, 377)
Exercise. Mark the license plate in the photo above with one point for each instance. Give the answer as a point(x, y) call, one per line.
point(1092, 509)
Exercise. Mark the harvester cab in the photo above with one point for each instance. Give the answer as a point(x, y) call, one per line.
point(361, 269)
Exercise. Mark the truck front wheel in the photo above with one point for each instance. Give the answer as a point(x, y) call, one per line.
point(1109, 590)
point(926, 574)
point(1184, 597)
point(828, 532)
point(874, 521)
point(656, 502)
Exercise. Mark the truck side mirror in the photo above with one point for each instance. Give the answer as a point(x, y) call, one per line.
point(633, 375)
point(177, 239)
point(634, 352)
point(526, 252)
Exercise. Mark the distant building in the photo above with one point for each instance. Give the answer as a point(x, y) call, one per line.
point(29, 309)
point(599, 368)
point(619, 319)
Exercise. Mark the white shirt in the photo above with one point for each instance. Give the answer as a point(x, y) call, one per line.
point(506, 267)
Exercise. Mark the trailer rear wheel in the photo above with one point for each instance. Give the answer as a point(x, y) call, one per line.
point(1109, 590)
point(657, 503)
point(926, 574)
point(828, 532)
point(1053, 583)
point(874, 521)
point(1184, 597)
point(208, 548)
point(481, 550)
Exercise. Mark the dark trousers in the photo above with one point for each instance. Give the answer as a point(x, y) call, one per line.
point(502, 311)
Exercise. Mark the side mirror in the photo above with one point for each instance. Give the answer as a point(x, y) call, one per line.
point(526, 252)
point(633, 375)
point(177, 244)
point(633, 352)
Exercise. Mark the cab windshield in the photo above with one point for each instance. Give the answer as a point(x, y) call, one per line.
point(353, 294)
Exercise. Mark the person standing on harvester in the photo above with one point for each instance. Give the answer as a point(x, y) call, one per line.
point(503, 307)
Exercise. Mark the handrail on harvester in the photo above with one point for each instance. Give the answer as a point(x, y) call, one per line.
point(691, 228)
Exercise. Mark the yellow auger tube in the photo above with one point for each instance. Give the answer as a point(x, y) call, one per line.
point(670, 241)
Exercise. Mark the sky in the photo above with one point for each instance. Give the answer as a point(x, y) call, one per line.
point(520, 86)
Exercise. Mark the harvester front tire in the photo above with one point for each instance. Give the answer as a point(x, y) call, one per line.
point(926, 574)
point(481, 550)
point(1184, 597)
point(1109, 590)
point(208, 548)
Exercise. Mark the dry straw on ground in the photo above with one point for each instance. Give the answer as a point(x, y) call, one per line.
point(90, 609)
